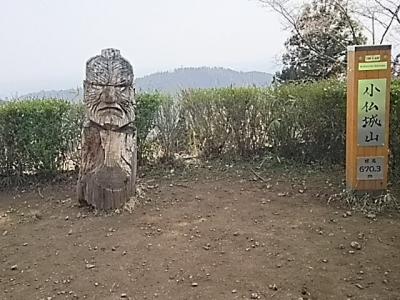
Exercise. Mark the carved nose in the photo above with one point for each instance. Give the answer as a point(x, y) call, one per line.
point(109, 94)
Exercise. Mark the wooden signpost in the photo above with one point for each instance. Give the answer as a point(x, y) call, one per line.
point(368, 115)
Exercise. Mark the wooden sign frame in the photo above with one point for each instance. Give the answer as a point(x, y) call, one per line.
point(368, 116)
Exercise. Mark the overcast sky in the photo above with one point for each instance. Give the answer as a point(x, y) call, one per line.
point(44, 44)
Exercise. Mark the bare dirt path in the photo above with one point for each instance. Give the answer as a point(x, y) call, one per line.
point(212, 237)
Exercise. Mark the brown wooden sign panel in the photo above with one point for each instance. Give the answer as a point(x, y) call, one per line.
point(367, 121)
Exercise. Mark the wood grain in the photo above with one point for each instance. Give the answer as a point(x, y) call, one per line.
point(353, 150)
point(107, 176)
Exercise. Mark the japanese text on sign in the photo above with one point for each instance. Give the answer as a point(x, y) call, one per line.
point(371, 112)
point(372, 66)
point(370, 168)
point(372, 58)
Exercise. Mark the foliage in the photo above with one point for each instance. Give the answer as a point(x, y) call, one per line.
point(301, 122)
point(169, 128)
point(311, 121)
point(317, 47)
point(147, 105)
point(206, 126)
point(228, 120)
point(159, 120)
point(395, 128)
point(36, 136)
point(288, 120)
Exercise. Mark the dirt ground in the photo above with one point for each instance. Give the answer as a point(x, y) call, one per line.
point(223, 234)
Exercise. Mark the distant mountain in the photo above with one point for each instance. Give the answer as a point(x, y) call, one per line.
point(172, 82)
point(203, 77)
point(74, 95)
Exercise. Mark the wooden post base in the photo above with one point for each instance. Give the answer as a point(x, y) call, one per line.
point(107, 178)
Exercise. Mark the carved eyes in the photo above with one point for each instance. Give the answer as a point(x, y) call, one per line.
point(117, 88)
point(98, 84)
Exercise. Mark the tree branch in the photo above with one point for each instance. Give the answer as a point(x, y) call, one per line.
point(388, 27)
point(348, 20)
point(279, 7)
point(394, 13)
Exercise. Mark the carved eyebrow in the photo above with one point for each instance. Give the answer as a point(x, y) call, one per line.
point(108, 84)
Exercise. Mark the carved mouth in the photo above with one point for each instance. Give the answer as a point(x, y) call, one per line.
point(110, 108)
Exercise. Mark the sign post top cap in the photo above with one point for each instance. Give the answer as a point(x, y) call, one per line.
point(368, 47)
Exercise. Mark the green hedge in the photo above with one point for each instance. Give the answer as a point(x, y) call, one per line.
point(37, 136)
point(147, 106)
point(395, 128)
point(43, 136)
point(304, 122)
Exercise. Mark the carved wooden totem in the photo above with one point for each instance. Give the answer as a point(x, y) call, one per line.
point(107, 176)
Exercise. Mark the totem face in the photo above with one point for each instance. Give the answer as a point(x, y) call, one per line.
point(108, 90)
point(107, 177)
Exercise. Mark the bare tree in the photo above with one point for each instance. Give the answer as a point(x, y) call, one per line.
point(380, 18)
point(384, 19)
point(290, 11)
point(320, 33)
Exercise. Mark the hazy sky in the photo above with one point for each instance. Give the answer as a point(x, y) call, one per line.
point(44, 44)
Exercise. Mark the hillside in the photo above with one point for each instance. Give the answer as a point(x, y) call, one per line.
point(172, 82)
point(74, 95)
point(204, 77)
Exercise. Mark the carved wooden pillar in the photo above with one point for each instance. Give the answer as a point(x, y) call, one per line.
point(107, 176)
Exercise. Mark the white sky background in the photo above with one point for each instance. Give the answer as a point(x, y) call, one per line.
point(44, 44)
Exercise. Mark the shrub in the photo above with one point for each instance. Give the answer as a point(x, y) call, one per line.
point(311, 121)
point(304, 122)
point(395, 129)
point(169, 129)
point(36, 136)
point(147, 106)
point(206, 123)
